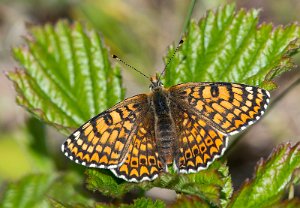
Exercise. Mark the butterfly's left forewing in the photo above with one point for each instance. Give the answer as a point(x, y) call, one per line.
point(104, 140)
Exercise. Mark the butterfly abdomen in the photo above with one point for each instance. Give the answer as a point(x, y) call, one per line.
point(164, 127)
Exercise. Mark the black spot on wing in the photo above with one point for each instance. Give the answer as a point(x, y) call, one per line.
point(214, 90)
point(231, 94)
point(108, 119)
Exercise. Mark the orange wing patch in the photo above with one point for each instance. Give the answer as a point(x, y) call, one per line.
point(103, 141)
point(199, 143)
point(142, 161)
point(227, 106)
point(201, 116)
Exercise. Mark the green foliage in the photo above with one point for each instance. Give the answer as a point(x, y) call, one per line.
point(294, 203)
point(140, 202)
point(190, 202)
point(28, 192)
point(212, 185)
point(120, 21)
point(102, 181)
point(45, 190)
point(36, 146)
point(145, 202)
point(66, 79)
point(272, 177)
point(229, 46)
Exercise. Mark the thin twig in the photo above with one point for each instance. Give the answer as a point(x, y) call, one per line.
point(188, 17)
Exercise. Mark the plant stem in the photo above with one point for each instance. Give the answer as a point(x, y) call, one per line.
point(188, 17)
point(291, 192)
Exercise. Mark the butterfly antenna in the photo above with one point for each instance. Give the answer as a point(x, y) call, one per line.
point(178, 46)
point(123, 62)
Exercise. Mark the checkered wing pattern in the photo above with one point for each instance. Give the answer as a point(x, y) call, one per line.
point(228, 107)
point(123, 138)
point(142, 160)
point(104, 140)
point(199, 143)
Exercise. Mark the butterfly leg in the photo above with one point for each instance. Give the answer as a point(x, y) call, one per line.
point(176, 162)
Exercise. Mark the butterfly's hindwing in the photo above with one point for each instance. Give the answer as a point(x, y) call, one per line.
point(104, 140)
point(142, 161)
point(228, 107)
point(199, 143)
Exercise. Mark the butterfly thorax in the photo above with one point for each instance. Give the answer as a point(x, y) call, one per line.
point(164, 125)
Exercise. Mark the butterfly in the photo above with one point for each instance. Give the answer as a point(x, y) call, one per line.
point(186, 125)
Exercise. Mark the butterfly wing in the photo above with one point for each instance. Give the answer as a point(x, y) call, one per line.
point(104, 140)
point(199, 143)
point(142, 162)
point(228, 107)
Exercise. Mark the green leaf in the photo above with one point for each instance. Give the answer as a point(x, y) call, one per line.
point(211, 185)
point(43, 190)
point(207, 184)
point(56, 204)
point(230, 46)
point(37, 131)
point(145, 203)
point(227, 188)
point(190, 202)
point(69, 191)
point(271, 179)
point(35, 147)
point(66, 77)
point(293, 203)
point(138, 203)
point(108, 185)
point(28, 192)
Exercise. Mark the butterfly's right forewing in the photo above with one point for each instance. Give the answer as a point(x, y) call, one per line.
point(104, 140)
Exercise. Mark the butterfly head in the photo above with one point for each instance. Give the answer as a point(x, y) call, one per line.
point(155, 82)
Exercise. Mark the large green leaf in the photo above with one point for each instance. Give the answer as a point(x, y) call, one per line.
point(230, 46)
point(66, 77)
point(271, 178)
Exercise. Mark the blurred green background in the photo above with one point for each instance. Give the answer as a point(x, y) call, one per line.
point(139, 32)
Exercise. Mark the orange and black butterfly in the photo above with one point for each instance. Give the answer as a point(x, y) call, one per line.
point(186, 125)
